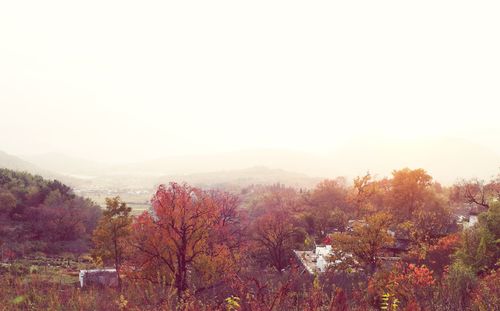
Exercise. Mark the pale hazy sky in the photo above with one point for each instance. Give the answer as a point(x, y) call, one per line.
point(132, 80)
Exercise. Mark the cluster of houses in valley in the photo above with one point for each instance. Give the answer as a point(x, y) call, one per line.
point(318, 260)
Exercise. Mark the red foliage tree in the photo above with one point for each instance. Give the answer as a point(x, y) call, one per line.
point(186, 238)
point(411, 283)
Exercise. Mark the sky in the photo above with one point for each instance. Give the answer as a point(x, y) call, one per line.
point(122, 81)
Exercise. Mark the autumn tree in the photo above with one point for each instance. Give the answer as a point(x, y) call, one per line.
point(275, 198)
point(410, 189)
point(411, 284)
point(428, 224)
point(110, 236)
point(275, 235)
point(363, 190)
point(439, 255)
point(326, 208)
point(184, 238)
point(363, 246)
point(330, 194)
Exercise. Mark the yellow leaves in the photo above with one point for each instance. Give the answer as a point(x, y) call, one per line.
point(232, 303)
point(121, 303)
point(389, 302)
point(97, 261)
point(316, 284)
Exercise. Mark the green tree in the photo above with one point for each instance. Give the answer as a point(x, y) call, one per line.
point(111, 233)
point(459, 284)
point(480, 247)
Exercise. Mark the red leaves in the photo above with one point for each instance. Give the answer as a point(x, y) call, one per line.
point(420, 276)
point(412, 276)
point(408, 283)
point(189, 231)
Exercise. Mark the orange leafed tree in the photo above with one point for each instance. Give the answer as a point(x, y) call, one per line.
point(410, 189)
point(186, 238)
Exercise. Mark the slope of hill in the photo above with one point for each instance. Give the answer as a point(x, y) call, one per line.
point(64, 164)
point(16, 163)
point(37, 214)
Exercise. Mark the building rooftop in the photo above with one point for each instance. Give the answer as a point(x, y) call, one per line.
point(315, 261)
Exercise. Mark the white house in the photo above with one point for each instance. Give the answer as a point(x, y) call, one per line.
point(315, 261)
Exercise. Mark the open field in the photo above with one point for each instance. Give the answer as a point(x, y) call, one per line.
point(138, 200)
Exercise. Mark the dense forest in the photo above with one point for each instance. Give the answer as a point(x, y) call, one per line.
point(400, 243)
point(38, 215)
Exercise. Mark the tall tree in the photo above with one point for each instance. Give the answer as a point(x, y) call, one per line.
point(112, 232)
point(182, 238)
point(362, 192)
point(409, 191)
point(274, 234)
point(330, 193)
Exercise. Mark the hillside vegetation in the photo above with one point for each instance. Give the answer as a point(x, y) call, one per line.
point(39, 215)
point(399, 243)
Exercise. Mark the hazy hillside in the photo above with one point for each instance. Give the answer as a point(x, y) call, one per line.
point(237, 160)
point(64, 164)
point(446, 160)
point(16, 163)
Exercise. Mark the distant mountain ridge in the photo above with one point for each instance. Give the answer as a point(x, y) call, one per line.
point(447, 160)
point(16, 163)
point(64, 164)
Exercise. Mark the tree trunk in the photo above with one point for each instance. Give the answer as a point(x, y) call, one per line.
point(181, 275)
point(117, 264)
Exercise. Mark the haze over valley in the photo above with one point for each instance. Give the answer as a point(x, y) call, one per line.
point(448, 160)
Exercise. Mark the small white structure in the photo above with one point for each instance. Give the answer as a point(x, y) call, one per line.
point(100, 277)
point(472, 221)
point(315, 261)
point(322, 253)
